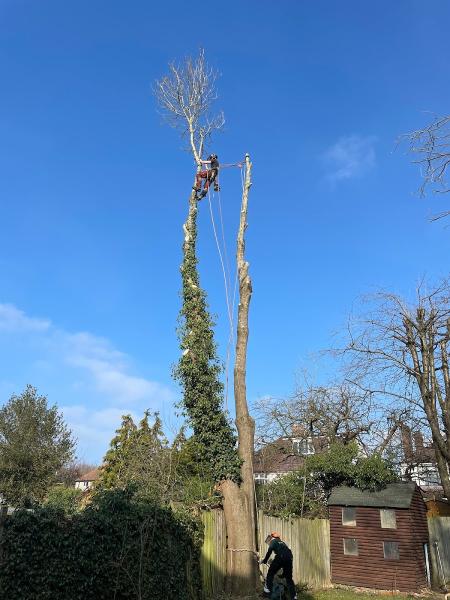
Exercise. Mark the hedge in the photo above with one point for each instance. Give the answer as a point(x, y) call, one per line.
point(117, 548)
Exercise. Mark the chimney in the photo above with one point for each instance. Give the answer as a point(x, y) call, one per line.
point(298, 431)
point(407, 442)
point(418, 442)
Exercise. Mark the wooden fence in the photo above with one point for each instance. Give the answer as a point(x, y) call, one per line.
point(309, 540)
point(213, 559)
point(439, 530)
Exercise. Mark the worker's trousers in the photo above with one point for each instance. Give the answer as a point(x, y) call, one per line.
point(210, 177)
point(284, 563)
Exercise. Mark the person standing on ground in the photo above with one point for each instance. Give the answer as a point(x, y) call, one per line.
point(282, 560)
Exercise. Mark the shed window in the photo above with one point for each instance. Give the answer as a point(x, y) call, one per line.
point(391, 550)
point(387, 517)
point(349, 516)
point(350, 547)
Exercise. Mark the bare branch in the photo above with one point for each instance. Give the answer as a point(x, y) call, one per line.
point(400, 351)
point(431, 146)
point(185, 96)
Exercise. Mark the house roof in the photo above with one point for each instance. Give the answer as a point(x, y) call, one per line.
point(90, 475)
point(394, 495)
point(277, 457)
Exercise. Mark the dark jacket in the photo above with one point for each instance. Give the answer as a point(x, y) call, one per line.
point(280, 549)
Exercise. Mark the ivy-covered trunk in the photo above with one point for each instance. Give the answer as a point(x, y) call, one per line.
point(199, 368)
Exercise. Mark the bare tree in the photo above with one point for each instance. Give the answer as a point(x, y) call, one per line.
point(431, 146)
point(186, 95)
point(401, 351)
point(342, 413)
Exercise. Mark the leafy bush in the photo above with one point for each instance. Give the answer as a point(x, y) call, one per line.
point(305, 492)
point(288, 496)
point(65, 499)
point(116, 548)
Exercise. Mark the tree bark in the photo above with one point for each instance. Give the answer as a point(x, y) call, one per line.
point(239, 501)
point(425, 368)
point(244, 422)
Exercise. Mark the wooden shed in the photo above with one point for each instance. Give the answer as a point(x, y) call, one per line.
point(379, 539)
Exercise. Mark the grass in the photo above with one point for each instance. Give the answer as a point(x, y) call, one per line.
point(343, 594)
point(350, 594)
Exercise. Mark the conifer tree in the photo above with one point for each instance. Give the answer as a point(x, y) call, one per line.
point(139, 456)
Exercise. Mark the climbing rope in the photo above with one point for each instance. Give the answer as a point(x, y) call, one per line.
point(220, 255)
point(231, 311)
point(233, 304)
point(223, 256)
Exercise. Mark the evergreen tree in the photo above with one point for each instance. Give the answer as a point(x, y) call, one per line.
point(141, 457)
point(116, 460)
point(35, 444)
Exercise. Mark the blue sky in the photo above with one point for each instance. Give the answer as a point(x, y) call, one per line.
point(94, 187)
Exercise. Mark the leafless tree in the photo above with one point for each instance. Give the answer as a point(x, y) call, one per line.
point(185, 96)
point(431, 146)
point(400, 351)
point(74, 471)
point(342, 413)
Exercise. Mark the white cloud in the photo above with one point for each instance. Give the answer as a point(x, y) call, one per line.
point(108, 369)
point(97, 377)
point(15, 320)
point(351, 156)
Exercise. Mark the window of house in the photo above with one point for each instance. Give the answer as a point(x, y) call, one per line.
point(349, 516)
point(261, 478)
point(350, 547)
point(388, 519)
point(303, 447)
point(391, 550)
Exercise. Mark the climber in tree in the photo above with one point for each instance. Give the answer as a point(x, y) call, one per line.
point(210, 176)
point(282, 560)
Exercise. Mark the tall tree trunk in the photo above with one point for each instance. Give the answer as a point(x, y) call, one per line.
point(239, 501)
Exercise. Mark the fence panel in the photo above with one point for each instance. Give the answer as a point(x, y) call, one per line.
point(439, 530)
point(309, 540)
point(213, 559)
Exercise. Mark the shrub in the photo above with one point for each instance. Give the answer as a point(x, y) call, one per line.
point(116, 548)
point(65, 499)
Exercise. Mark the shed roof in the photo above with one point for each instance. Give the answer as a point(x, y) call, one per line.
point(394, 495)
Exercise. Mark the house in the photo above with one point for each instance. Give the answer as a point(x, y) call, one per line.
point(86, 481)
point(419, 460)
point(284, 455)
point(379, 539)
